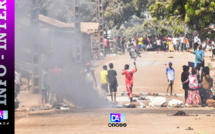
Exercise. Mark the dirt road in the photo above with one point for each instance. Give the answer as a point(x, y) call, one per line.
point(149, 121)
point(149, 78)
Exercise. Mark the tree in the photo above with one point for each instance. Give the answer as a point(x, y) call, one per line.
point(62, 10)
point(198, 15)
point(116, 13)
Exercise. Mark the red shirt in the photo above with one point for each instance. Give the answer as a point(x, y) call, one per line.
point(128, 76)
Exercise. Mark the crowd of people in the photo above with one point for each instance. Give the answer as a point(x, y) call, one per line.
point(159, 42)
point(164, 43)
point(196, 81)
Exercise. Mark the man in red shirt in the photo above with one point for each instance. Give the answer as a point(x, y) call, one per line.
point(129, 79)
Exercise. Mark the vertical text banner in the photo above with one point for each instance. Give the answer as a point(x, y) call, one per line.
point(7, 19)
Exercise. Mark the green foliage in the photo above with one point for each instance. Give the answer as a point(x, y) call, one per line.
point(196, 14)
point(147, 27)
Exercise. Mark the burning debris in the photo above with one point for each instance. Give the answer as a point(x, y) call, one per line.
point(180, 113)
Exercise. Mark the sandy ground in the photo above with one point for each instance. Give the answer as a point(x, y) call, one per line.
point(149, 78)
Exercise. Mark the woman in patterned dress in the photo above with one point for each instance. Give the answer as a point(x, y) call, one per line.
point(193, 92)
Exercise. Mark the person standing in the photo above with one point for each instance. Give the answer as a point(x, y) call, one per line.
point(196, 39)
point(140, 42)
point(123, 45)
point(199, 59)
point(159, 44)
point(190, 39)
point(129, 79)
point(145, 42)
point(199, 55)
point(212, 44)
point(130, 46)
point(171, 46)
point(44, 87)
point(181, 43)
point(184, 77)
point(90, 75)
point(174, 41)
point(112, 81)
point(104, 83)
point(119, 43)
point(207, 43)
point(193, 97)
point(105, 46)
point(170, 74)
point(165, 43)
point(186, 43)
point(153, 41)
point(207, 85)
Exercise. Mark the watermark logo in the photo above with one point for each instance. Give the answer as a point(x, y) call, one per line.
point(116, 119)
point(3, 114)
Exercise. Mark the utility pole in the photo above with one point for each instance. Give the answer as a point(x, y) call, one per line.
point(101, 24)
point(34, 19)
point(78, 31)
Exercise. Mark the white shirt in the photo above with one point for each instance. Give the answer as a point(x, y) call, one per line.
point(196, 39)
point(199, 41)
point(213, 44)
point(174, 40)
point(182, 39)
point(158, 42)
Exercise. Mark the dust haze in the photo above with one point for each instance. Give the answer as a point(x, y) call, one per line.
point(57, 50)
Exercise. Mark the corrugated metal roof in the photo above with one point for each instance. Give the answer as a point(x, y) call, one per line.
point(86, 27)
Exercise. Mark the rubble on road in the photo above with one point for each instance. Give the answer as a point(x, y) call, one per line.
point(134, 105)
point(180, 113)
point(189, 128)
point(210, 103)
point(64, 108)
point(156, 101)
point(142, 98)
point(124, 94)
point(117, 105)
point(175, 103)
point(129, 105)
point(136, 95)
point(164, 104)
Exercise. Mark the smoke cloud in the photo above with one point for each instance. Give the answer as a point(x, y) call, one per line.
point(58, 48)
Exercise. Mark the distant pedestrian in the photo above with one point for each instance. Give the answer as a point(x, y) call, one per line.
point(174, 41)
point(196, 42)
point(158, 43)
point(212, 44)
point(112, 81)
point(90, 75)
point(130, 46)
point(181, 43)
point(129, 79)
point(104, 83)
point(186, 43)
point(123, 45)
point(140, 42)
point(44, 87)
point(170, 74)
point(105, 46)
